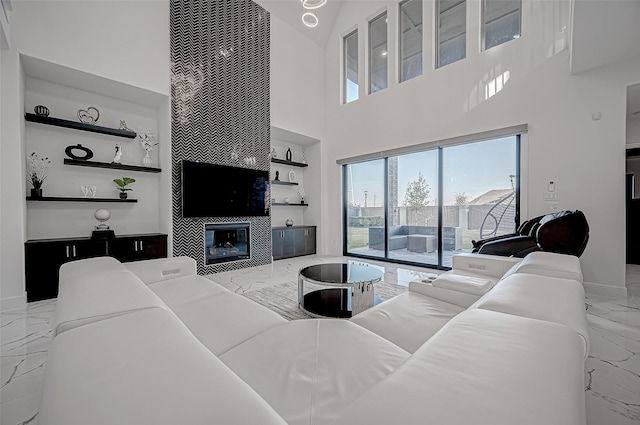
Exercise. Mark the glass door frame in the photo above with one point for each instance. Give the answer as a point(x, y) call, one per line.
point(386, 257)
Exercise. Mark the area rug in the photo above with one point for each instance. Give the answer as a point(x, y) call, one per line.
point(283, 298)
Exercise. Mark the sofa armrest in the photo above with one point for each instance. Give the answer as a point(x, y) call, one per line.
point(151, 271)
point(488, 265)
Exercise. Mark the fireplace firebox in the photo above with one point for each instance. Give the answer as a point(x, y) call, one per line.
point(224, 242)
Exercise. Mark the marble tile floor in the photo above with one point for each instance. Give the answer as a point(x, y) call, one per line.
point(612, 371)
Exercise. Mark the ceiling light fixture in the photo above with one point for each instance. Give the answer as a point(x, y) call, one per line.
point(313, 4)
point(310, 20)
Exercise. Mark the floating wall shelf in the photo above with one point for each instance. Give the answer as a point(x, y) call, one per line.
point(59, 122)
point(289, 204)
point(290, 163)
point(96, 164)
point(79, 199)
point(284, 183)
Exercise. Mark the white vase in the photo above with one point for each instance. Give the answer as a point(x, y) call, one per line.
point(146, 161)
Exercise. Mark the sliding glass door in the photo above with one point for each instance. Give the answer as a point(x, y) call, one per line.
point(424, 207)
point(364, 208)
point(479, 192)
point(413, 207)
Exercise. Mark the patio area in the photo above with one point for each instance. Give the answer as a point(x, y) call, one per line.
point(404, 254)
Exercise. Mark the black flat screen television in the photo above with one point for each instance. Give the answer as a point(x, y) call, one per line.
point(210, 190)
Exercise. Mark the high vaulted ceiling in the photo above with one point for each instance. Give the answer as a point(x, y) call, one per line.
point(290, 11)
point(603, 31)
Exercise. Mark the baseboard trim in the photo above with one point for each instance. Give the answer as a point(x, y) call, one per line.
point(13, 303)
point(605, 290)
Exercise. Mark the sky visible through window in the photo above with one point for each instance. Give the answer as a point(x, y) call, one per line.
point(473, 168)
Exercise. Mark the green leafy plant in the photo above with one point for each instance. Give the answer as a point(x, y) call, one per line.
point(123, 182)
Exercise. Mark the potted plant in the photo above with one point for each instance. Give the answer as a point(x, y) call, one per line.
point(122, 185)
point(37, 173)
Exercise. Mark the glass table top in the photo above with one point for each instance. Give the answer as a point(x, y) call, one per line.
point(341, 273)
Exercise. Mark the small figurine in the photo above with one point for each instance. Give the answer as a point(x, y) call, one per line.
point(274, 154)
point(277, 176)
point(123, 125)
point(118, 155)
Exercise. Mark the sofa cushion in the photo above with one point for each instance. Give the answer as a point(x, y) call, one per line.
point(186, 289)
point(225, 320)
point(483, 368)
point(309, 370)
point(458, 298)
point(407, 320)
point(143, 368)
point(473, 285)
point(541, 297)
point(96, 289)
point(552, 264)
point(150, 271)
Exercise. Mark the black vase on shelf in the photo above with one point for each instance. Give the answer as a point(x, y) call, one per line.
point(123, 195)
point(36, 193)
point(288, 155)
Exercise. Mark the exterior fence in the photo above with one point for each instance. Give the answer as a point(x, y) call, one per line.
point(466, 216)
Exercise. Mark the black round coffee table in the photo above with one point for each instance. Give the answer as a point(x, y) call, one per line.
point(350, 289)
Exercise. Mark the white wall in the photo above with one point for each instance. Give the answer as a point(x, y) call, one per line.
point(584, 157)
point(297, 105)
point(297, 81)
point(121, 40)
point(12, 181)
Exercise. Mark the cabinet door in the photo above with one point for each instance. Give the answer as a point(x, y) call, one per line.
point(43, 261)
point(42, 264)
point(298, 241)
point(138, 248)
point(150, 247)
point(124, 249)
point(288, 244)
point(310, 241)
point(87, 249)
point(276, 244)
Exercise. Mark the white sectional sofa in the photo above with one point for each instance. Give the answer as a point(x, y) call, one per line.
point(153, 343)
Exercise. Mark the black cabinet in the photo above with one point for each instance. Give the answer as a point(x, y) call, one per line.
point(138, 247)
point(293, 241)
point(44, 257)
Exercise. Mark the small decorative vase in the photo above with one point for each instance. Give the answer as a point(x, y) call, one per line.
point(41, 110)
point(274, 154)
point(302, 200)
point(36, 193)
point(123, 195)
point(146, 161)
point(288, 154)
point(289, 222)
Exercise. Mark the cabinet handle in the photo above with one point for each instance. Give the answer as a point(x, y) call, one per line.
point(67, 250)
point(135, 246)
point(74, 251)
point(140, 245)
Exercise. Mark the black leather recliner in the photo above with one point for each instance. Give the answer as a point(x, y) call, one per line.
point(564, 232)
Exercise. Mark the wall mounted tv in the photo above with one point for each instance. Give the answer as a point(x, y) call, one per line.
point(210, 190)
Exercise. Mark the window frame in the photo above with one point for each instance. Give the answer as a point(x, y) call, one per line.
point(436, 35)
point(377, 17)
point(483, 23)
point(345, 66)
point(400, 42)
